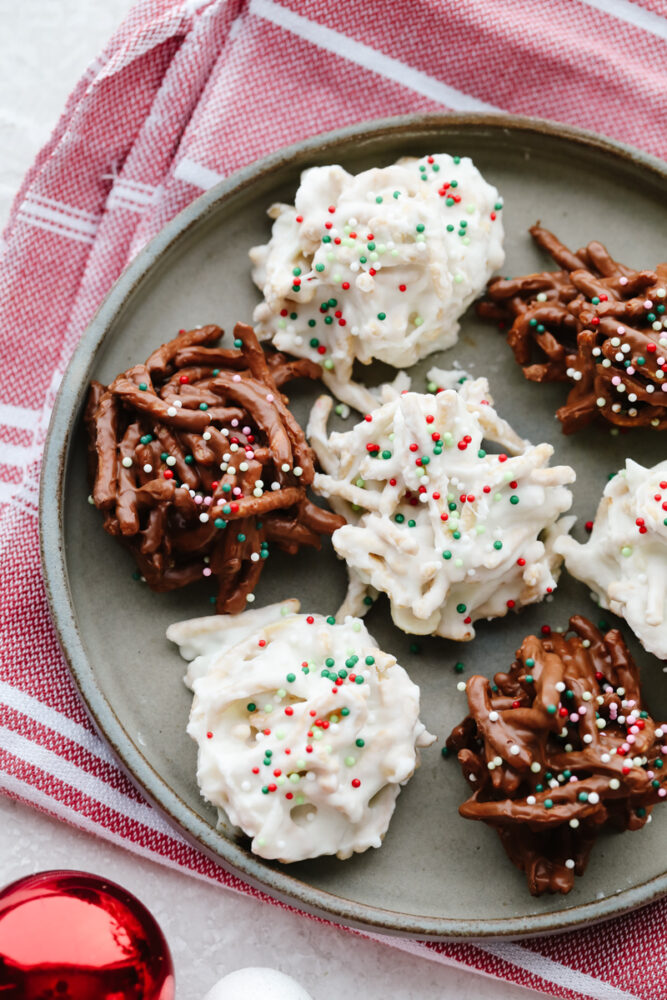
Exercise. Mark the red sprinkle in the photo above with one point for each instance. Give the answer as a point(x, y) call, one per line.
point(356, 783)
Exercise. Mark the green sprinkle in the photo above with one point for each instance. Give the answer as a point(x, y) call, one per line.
point(641, 812)
point(291, 678)
point(358, 679)
point(450, 229)
point(219, 523)
point(203, 406)
point(189, 459)
point(164, 456)
point(319, 267)
point(421, 227)
point(582, 797)
point(446, 554)
point(386, 454)
point(146, 439)
point(240, 537)
point(368, 601)
point(457, 160)
point(143, 386)
point(331, 620)
point(251, 706)
point(415, 647)
point(481, 453)
point(399, 518)
point(498, 545)
point(370, 660)
point(382, 315)
point(344, 711)
point(530, 679)
point(514, 499)
point(461, 608)
point(238, 342)
point(412, 524)
point(551, 709)
point(459, 667)
point(378, 200)
point(530, 662)
point(360, 742)
point(548, 804)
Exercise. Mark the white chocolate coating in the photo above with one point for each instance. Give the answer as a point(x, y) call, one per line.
point(440, 526)
point(316, 765)
point(625, 566)
point(402, 258)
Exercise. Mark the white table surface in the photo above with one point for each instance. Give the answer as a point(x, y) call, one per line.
point(210, 931)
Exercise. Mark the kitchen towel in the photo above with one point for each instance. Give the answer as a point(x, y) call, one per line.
point(184, 94)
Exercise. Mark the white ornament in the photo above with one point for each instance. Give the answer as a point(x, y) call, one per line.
point(246, 984)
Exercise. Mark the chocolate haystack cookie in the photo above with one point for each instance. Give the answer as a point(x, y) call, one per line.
point(559, 748)
point(199, 466)
point(595, 323)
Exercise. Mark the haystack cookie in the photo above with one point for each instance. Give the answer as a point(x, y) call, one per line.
point(449, 532)
point(625, 560)
point(377, 265)
point(306, 730)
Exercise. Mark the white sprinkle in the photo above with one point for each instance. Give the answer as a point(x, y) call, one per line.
point(535, 767)
point(203, 518)
point(254, 557)
point(587, 738)
point(531, 800)
point(250, 598)
point(126, 462)
point(206, 435)
point(515, 749)
point(574, 823)
point(171, 461)
point(594, 798)
point(171, 412)
point(559, 686)
point(614, 783)
point(461, 686)
point(148, 468)
point(586, 696)
point(493, 716)
point(569, 863)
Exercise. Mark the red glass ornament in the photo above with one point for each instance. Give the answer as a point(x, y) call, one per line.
point(67, 935)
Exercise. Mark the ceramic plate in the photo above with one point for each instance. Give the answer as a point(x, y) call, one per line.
point(436, 875)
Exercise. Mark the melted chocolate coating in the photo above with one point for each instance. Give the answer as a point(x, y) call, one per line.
point(558, 748)
point(189, 403)
point(565, 334)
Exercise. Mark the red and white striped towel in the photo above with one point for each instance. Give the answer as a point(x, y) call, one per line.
point(186, 92)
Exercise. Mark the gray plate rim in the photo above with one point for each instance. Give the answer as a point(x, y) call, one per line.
point(277, 883)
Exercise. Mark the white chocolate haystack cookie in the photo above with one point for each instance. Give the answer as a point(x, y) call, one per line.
point(625, 560)
point(450, 532)
point(306, 730)
point(379, 264)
